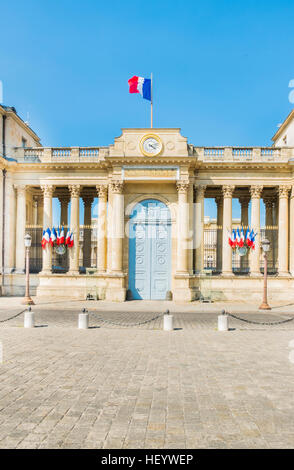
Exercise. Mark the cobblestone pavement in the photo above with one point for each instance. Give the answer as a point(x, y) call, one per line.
point(141, 387)
point(56, 317)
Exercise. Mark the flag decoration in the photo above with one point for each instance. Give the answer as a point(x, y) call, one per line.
point(61, 239)
point(53, 237)
point(69, 240)
point(45, 238)
point(140, 85)
point(56, 237)
point(238, 238)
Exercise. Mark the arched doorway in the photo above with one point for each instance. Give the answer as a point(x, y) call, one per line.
point(150, 250)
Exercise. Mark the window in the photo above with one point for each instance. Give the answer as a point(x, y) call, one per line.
point(23, 142)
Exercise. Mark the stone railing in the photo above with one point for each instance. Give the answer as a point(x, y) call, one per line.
point(60, 154)
point(205, 154)
point(261, 154)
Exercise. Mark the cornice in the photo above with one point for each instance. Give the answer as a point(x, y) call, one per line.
point(18, 119)
point(284, 125)
point(69, 166)
point(141, 160)
point(243, 165)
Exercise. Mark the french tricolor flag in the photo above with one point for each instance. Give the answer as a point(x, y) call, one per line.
point(140, 85)
point(46, 237)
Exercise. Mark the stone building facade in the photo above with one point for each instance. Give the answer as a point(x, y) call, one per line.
point(148, 240)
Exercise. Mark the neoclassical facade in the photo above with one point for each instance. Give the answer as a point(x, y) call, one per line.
point(149, 239)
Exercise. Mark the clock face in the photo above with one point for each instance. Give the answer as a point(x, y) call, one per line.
point(151, 146)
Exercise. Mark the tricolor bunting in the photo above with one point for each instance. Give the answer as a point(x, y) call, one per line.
point(238, 238)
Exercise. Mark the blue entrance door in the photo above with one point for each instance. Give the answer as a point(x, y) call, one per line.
point(149, 255)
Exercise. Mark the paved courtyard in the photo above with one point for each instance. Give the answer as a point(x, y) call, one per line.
point(120, 386)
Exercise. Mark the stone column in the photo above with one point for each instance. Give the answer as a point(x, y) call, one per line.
point(244, 201)
point(47, 222)
point(283, 267)
point(75, 228)
point(227, 228)
point(183, 227)
point(199, 226)
point(87, 239)
point(291, 267)
point(10, 223)
point(116, 188)
point(20, 228)
point(268, 202)
point(64, 201)
point(219, 222)
point(102, 228)
point(40, 210)
point(35, 210)
point(276, 232)
point(255, 192)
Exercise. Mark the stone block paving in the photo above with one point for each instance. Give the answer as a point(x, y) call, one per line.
point(57, 317)
point(140, 387)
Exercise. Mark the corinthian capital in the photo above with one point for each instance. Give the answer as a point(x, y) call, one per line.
point(102, 190)
point(48, 190)
point(256, 191)
point(244, 201)
point(228, 190)
point(219, 200)
point(182, 186)
point(268, 201)
point(64, 199)
point(117, 186)
point(74, 190)
point(284, 190)
point(199, 190)
point(20, 189)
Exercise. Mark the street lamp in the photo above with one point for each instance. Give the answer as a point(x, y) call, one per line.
point(265, 244)
point(27, 242)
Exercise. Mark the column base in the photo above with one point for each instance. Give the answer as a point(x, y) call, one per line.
point(115, 295)
point(8, 270)
point(116, 290)
point(227, 274)
point(74, 272)
point(183, 295)
point(45, 272)
point(20, 271)
point(184, 289)
point(283, 274)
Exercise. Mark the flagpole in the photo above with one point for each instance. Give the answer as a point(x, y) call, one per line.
point(151, 101)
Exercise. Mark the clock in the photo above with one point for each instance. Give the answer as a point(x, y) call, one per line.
point(151, 145)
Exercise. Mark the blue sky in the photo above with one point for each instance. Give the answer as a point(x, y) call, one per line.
point(221, 68)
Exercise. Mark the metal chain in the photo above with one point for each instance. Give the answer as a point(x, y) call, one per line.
point(14, 316)
point(129, 324)
point(260, 323)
